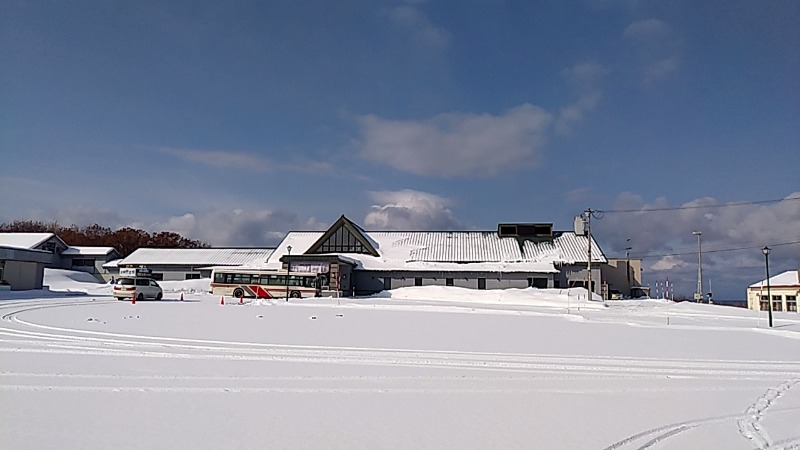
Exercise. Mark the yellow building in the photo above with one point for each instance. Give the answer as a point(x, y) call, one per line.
point(784, 289)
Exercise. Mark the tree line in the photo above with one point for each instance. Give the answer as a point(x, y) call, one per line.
point(124, 240)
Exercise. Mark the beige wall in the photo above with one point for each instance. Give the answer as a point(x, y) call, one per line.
point(23, 275)
point(754, 296)
point(614, 274)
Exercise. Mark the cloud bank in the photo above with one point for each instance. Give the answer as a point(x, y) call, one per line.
point(410, 210)
point(457, 144)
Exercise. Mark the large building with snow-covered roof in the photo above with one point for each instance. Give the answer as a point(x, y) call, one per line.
point(353, 261)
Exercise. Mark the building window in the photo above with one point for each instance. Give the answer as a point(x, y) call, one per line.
point(765, 306)
point(387, 283)
point(342, 241)
point(157, 276)
point(192, 276)
point(481, 283)
point(540, 283)
point(791, 303)
point(448, 281)
point(418, 281)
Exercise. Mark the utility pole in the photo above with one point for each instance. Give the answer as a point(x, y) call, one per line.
point(288, 270)
point(589, 251)
point(698, 297)
point(628, 264)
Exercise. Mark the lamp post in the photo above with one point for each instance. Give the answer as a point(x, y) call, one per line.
point(628, 266)
point(698, 297)
point(765, 250)
point(288, 267)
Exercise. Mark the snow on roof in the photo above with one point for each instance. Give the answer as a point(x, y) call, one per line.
point(197, 256)
point(88, 251)
point(23, 240)
point(454, 251)
point(112, 264)
point(785, 279)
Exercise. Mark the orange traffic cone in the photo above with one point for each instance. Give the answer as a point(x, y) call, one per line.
point(133, 299)
point(181, 296)
point(222, 300)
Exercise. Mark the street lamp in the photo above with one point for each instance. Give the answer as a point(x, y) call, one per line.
point(288, 266)
point(698, 297)
point(765, 250)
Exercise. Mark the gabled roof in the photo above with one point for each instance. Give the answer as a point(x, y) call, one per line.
point(197, 256)
point(790, 278)
point(88, 251)
point(25, 240)
point(348, 227)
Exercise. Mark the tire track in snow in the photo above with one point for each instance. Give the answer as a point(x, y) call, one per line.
point(96, 343)
point(750, 426)
point(748, 423)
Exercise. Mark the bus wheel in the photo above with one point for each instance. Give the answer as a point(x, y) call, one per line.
point(295, 294)
point(238, 293)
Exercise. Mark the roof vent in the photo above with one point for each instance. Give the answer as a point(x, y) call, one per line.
point(523, 230)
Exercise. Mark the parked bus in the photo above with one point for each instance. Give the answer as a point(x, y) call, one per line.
point(255, 283)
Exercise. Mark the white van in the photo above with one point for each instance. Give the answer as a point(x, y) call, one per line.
point(136, 283)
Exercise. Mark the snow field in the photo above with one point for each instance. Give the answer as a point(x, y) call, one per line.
point(420, 369)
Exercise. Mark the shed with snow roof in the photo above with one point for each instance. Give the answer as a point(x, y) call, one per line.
point(174, 264)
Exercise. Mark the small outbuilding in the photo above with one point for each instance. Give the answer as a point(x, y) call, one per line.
point(784, 289)
point(175, 264)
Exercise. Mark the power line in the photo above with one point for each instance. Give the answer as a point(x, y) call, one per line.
point(713, 251)
point(677, 208)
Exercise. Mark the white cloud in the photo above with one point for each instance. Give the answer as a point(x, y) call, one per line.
point(457, 144)
point(222, 158)
point(661, 69)
point(657, 47)
point(583, 78)
point(238, 228)
point(410, 210)
point(646, 30)
point(252, 162)
point(420, 27)
point(667, 263)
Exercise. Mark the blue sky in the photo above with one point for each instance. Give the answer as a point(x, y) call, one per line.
point(235, 122)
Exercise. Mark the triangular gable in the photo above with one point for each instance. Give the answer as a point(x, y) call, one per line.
point(343, 237)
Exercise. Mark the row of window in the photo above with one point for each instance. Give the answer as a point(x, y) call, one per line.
point(532, 282)
point(275, 280)
point(777, 303)
point(79, 262)
point(789, 298)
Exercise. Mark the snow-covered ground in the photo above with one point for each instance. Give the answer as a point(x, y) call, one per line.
point(427, 367)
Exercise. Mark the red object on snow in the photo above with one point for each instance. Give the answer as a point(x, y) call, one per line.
point(181, 296)
point(241, 300)
point(222, 300)
point(133, 299)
